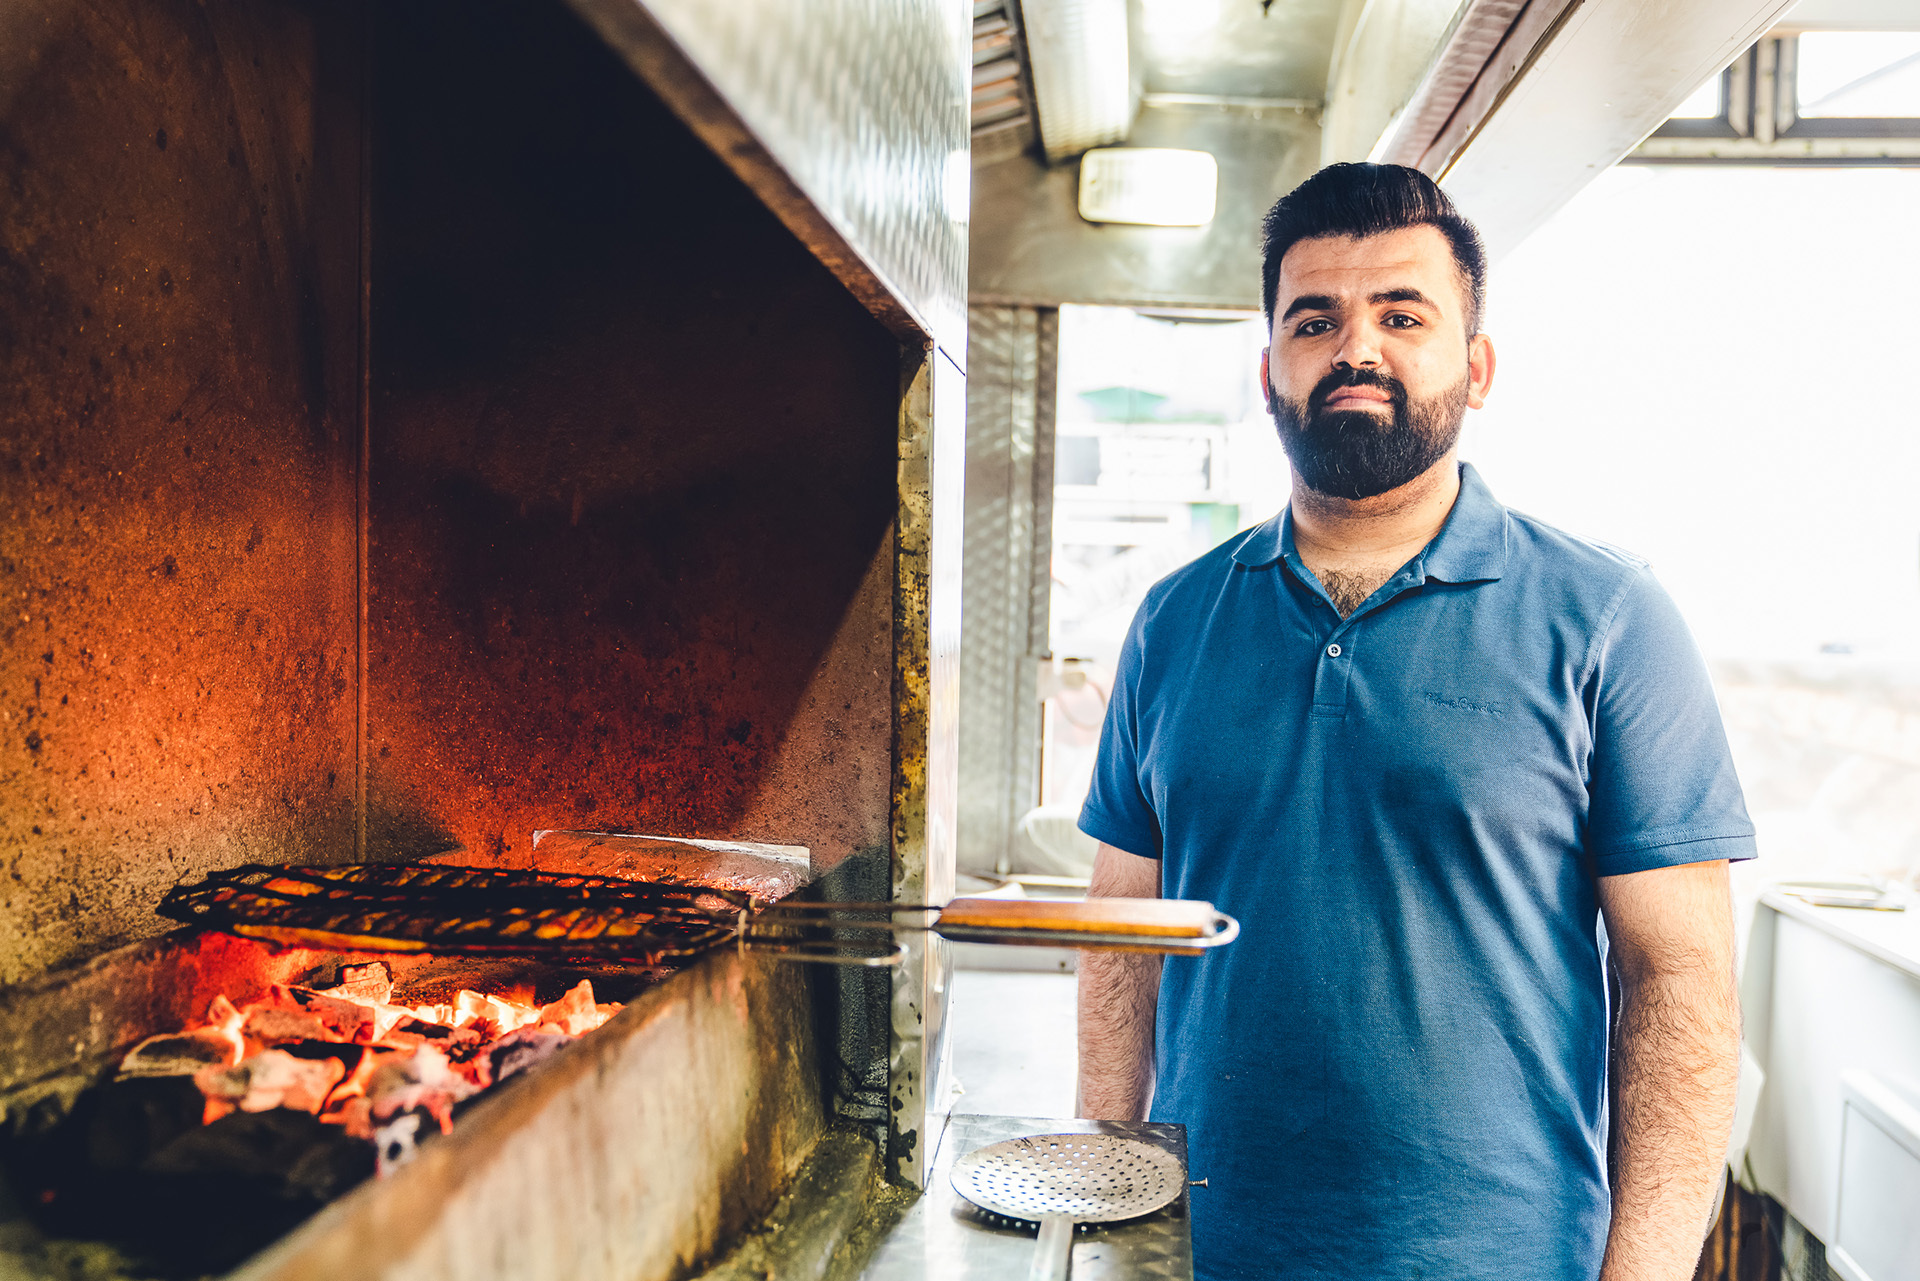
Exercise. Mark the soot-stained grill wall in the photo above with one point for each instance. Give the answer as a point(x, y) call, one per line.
point(179, 230)
point(431, 312)
point(632, 469)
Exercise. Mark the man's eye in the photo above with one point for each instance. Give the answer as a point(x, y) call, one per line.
point(1314, 328)
point(1401, 320)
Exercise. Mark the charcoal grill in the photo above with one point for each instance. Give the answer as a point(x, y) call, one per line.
point(509, 912)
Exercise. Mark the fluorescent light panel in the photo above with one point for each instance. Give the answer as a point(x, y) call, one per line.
point(1148, 186)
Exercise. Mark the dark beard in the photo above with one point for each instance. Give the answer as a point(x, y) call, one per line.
point(1353, 453)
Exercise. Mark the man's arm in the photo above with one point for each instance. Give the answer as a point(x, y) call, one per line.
point(1118, 993)
point(1676, 1063)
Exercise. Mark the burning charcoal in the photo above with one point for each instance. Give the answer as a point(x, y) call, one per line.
point(398, 1141)
point(518, 1051)
point(353, 1115)
point(574, 1013)
point(421, 1080)
point(505, 1016)
point(371, 983)
point(349, 1056)
point(269, 1026)
point(270, 1079)
point(411, 1033)
point(343, 1020)
point(182, 1053)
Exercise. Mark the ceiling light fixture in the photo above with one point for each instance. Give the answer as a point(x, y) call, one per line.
point(1148, 186)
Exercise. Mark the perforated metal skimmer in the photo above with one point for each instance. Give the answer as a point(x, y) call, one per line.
point(1058, 1180)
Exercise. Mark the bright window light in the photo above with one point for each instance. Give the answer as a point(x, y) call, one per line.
point(1704, 103)
point(1151, 186)
point(1859, 74)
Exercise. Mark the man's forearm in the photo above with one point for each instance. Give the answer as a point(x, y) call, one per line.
point(1118, 993)
point(1676, 1068)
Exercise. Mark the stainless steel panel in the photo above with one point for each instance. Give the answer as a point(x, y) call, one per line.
point(861, 103)
point(1008, 542)
point(1232, 48)
point(943, 1238)
point(1031, 247)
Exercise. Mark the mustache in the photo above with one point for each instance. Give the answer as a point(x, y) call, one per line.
point(1341, 379)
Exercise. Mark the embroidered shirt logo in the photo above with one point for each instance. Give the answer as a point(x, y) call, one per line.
point(1461, 703)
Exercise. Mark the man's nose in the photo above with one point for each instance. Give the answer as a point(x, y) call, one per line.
point(1359, 349)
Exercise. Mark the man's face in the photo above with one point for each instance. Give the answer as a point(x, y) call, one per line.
point(1371, 369)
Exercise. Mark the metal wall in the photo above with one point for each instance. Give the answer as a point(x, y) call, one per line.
point(849, 117)
point(179, 241)
point(1007, 568)
point(1031, 247)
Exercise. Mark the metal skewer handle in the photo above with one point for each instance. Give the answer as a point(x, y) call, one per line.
point(852, 933)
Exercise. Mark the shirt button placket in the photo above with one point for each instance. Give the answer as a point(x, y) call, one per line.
point(1330, 678)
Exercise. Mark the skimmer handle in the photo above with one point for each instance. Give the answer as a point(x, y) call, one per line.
point(1053, 1252)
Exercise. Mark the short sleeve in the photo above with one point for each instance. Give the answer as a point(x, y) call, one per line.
point(1117, 810)
point(1662, 787)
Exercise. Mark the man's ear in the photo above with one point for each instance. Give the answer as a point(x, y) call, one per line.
point(1480, 364)
point(1266, 378)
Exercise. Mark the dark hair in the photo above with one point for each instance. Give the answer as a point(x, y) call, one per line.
point(1365, 200)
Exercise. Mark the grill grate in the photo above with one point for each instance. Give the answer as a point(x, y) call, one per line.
point(484, 911)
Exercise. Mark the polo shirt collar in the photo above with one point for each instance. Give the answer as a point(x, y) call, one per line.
point(1470, 547)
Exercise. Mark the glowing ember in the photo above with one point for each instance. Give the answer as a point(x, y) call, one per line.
point(389, 1074)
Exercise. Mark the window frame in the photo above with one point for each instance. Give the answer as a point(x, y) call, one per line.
point(1759, 122)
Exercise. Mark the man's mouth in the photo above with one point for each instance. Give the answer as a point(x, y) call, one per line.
point(1358, 398)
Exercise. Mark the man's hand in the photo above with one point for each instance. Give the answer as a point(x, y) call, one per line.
point(1118, 993)
point(1676, 1064)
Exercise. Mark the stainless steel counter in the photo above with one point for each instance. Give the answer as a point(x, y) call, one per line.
point(945, 1238)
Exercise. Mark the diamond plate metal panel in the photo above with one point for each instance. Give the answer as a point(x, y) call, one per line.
point(1008, 541)
point(1084, 90)
point(864, 106)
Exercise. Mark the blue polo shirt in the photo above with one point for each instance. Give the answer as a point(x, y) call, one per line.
point(1399, 1070)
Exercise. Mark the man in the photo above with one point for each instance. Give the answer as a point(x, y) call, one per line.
point(1420, 745)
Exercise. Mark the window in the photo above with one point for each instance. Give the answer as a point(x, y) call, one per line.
point(1857, 75)
point(1818, 97)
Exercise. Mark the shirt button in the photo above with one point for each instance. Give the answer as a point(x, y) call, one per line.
point(1333, 651)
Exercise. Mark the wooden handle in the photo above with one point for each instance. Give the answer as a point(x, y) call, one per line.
point(1140, 917)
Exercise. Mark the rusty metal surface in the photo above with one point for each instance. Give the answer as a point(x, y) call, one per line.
point(630, 1157)
point(863, 104)
point(944, 1238)
point(1031, 247)
point(932, 462)
point(178, 262)
point(633, 470)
